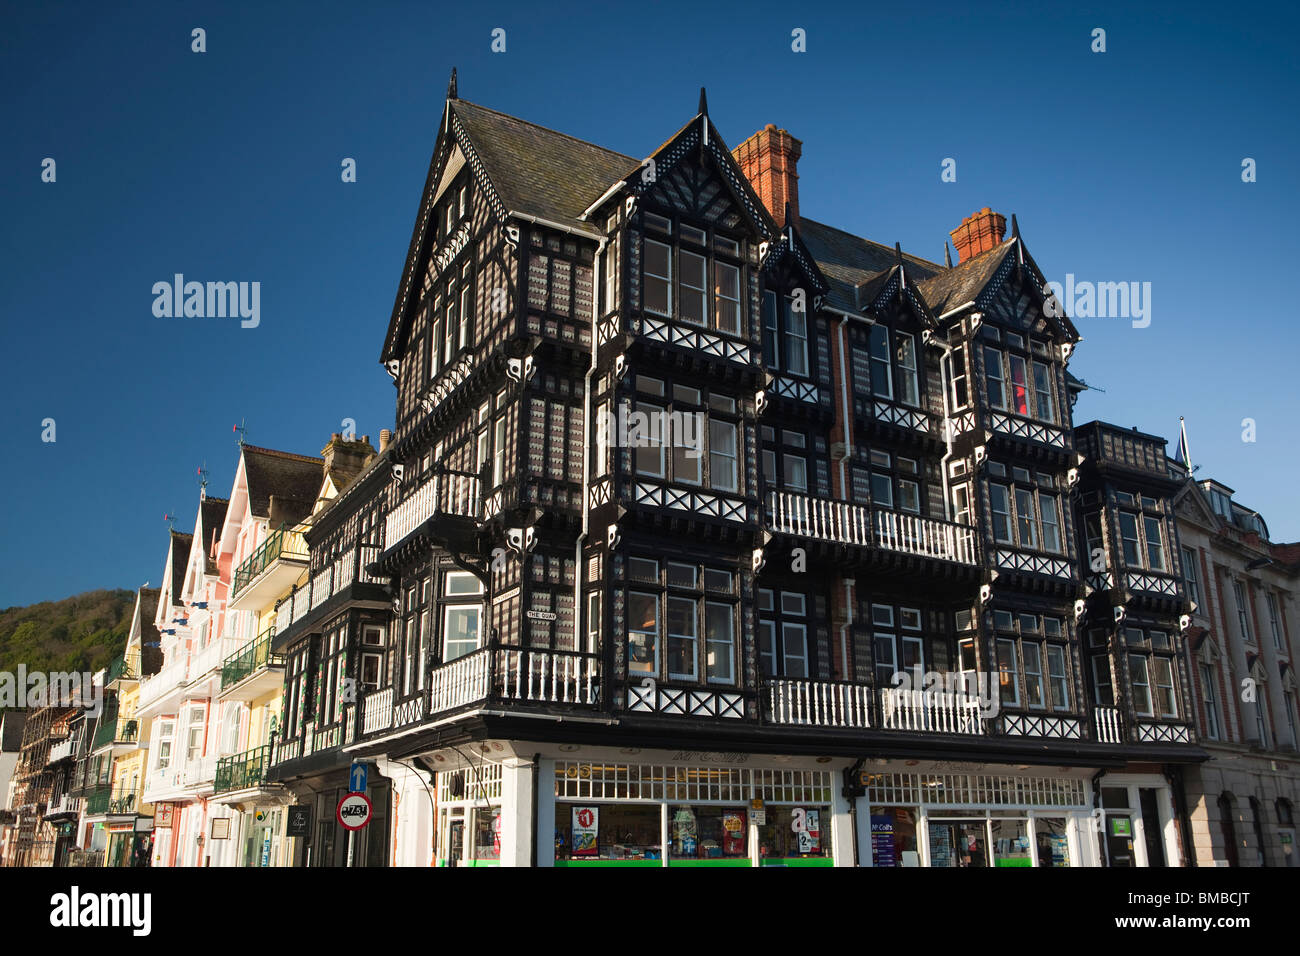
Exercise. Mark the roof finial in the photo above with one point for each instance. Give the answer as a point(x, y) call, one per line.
point(1015, 227)
point(451, 86)
point(788, 221)
point(947, 255)
point(704, 102)
point(898, 252)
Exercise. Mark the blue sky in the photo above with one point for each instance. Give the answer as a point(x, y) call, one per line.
point(1121, 166)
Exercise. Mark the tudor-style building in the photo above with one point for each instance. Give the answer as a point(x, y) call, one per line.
point(691, 499)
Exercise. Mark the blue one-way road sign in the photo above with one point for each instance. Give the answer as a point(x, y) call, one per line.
point(357, 778)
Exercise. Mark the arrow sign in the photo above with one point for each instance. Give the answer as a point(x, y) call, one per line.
point(357, 778)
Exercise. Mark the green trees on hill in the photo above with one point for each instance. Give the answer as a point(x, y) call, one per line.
point(80, 633)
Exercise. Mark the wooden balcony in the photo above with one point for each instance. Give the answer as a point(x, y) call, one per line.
point(858, 526)
point(445, 493)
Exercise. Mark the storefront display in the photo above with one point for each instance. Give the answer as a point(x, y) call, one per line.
point(1010, 841)
point(607, 833)
point(707, 833)
point(893, 837)
point(793, 836)
point(1053, 843)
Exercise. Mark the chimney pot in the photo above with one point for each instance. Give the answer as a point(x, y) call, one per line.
point(385, 436)
point(978, 233)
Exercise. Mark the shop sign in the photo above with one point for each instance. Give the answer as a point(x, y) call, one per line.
point(354, 811)
point(1120, 827)
point(299, 820)
point(162, 819)
point(733, 832)
point(221, 828)
point(586, 827)
point(144, 824)
point(758, 812)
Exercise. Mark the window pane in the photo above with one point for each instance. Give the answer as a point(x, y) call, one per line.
point(644, 432)
point(796, 472)
point(658, 277)
point(719, 623)
point(1128, 534)
point(722, 455)
point(882, 381)
point(909, 496)
point(796, 341)
point(771, 331)
point(1051, 524)
point(1019, 394)
point(994, 377)
point(693, 287)
point(1008, 673)
point(794, 637)
point(1155, 544)
point(460, 631)
point(1137, 669)
point(882, 490)
point(1033, 675)
point(643, 633)
point(767, 648)
point(726, 297)
point(907, 385)
point(1001, 502)
point(1044, 406)
point(681, 638)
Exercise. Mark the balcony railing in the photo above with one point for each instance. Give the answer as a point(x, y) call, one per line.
point(242, 771)
point(347, 569)
point(444, 493)
point(210, 659)
point(116, 800)
point(171, 676)
point(63, 804)
point(851, 524)
point(377, 711)
point(116, 730)
point(122, 668)
point(280, 543)
point(250, 658)
point(63, 749)
point(929, 711)
point(1109, 728)
point(819, 703)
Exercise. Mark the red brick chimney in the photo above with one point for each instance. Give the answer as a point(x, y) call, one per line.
point(978, 233)
point(769, 159)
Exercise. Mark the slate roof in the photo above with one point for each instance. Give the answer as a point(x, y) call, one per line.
point(960, 284)
point(294, 481)
point(180, 544)
point(538, 171)
point(855, 267)
point(150, 638)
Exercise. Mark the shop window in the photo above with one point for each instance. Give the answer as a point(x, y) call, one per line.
point(1053, 844)
point(798, 832)
point(707, 833)
point(587, 832)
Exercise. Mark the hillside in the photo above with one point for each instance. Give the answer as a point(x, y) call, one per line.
point(79, 633)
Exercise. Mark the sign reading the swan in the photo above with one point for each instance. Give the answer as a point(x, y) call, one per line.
point(354, 811)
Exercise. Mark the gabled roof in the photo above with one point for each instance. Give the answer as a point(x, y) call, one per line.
point(856, 268)
point(180, 557)
point(539, 171)
point(293, 480)
point(950, 288)
point(212, 515)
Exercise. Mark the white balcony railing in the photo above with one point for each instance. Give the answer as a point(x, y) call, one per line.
point(1108, 725)
point(819, 703)
point(460, 682)
point(847, 523)
point(443, 493)
point(168, 678)
point(62, 750)
point(927, 537)
point(377, 711)
point(930, 711)
point(205, 660)
point(555, 677)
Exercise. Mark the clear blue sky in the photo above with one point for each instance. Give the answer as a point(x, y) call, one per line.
point(1122, 166)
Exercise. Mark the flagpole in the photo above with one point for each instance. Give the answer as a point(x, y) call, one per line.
point(1187, 448)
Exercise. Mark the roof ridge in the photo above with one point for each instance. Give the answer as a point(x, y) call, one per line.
point(556, 132)
point(283, 454)
point(879, 245)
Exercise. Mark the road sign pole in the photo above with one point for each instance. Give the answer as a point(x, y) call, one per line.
point(352, 835)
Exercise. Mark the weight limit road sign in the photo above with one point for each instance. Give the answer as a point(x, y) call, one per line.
point(354, 811)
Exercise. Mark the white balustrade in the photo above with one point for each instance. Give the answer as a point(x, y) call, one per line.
point(930, 711)
point(847, 523)
point(443, 493)
point(461, 682)
point(377, 711)
point(819, 703)
point(529, 674)
point(1108, 725)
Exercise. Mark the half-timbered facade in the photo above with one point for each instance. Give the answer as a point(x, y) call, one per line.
point(713, 534)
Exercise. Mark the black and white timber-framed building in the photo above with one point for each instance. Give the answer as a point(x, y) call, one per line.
point(710, 534)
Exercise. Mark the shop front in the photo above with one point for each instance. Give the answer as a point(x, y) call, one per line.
point(619, 812)
point(984, 817)
point(1140, 825)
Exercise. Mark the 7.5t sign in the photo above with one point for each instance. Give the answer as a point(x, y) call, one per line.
point(354, 811)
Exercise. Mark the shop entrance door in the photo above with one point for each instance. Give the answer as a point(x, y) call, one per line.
point(455, 842)
point(959, 843)
point(1152, 832)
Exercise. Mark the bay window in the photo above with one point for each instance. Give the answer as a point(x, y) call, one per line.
point(697, 605)
point(1025, 513)
point(783, 633)
point(785, 335)
point(702, 430)
point(698, 286)
point(1014, 382)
